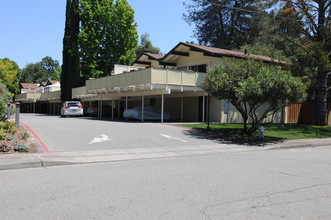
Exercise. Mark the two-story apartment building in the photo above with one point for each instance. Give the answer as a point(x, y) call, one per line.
point(168, 83)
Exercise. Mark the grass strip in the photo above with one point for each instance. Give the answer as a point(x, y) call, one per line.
point(272, 132)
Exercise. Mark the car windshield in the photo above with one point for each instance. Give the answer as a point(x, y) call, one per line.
point(74, 104)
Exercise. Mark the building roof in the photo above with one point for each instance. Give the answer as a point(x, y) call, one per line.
point(183, 49)
point(154, 56)
point(43, 83)
point(51, 82)
point(28, 86)
point(146, 58)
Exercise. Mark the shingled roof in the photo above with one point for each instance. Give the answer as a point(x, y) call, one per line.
point(28, 86)
point(179, 49)
point(183, 49)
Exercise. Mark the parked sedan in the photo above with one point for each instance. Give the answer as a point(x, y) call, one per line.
point(71, 108)
point(149, 114)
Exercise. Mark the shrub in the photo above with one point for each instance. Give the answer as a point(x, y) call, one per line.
point(10, 126)
point(4, 147)
point(3, 134)
point(12, 138)
point(22, 148)
point(25, 135)
point(3, 110)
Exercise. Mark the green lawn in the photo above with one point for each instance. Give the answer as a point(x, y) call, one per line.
point(272, 132)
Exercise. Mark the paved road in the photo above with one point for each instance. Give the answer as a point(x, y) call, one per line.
point(81, 134)
point(275, 184)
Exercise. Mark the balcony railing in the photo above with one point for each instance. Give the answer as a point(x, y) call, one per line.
point(147, 76)
point(27, 97)
point(51, 96)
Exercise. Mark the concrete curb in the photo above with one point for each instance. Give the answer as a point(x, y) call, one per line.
point(301, 143)
point(19, 161)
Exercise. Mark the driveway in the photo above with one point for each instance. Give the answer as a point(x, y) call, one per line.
point(81, 134)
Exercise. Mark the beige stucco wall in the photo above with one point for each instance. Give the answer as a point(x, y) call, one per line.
point(234, 116)
point(215, 110)
point(197, 58)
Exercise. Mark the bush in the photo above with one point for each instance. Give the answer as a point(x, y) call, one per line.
point(12, 138)
point(25, 136)
point(3, 110)
point(22, 148)
point(10, 126)
point(4, 147)
point(3, 134)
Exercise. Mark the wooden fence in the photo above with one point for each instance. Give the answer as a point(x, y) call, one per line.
point(304, 113)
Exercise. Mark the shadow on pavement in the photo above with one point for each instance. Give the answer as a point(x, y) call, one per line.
point(230, 136)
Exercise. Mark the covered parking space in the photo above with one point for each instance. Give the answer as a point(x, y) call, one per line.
point(184, 101)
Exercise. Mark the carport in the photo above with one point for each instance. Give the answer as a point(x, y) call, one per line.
point(144, 85)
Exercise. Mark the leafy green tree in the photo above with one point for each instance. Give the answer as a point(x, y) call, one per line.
point(70, 76)
point(41, 71)
point(56, 75)
point(218, 23)
point(50, 66)
point(9, 73)
point(108, 36)
point(315, 30)
point(4, 99)
point(250, 84)
point(33, 73)
point(146, 46)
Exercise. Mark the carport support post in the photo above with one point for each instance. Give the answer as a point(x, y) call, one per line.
point(119, 108)
point(142, 108)
point(208, 110)
point(112, 108)
point(203, 108)
point(162, 107)
point(126, 102)
point(182, 108)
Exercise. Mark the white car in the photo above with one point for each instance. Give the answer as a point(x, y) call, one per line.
point(72, 108)
point(149, 114)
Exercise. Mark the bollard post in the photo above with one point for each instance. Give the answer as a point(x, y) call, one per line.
point(17, 118)
point(8, 111)
point(261, 132)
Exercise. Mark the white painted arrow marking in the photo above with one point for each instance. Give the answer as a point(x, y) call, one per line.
point(102, 139)
point(174, 138)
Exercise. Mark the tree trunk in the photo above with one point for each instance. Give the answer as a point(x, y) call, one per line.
point(321, 112)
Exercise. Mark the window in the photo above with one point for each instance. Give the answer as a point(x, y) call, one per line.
point(197, 68)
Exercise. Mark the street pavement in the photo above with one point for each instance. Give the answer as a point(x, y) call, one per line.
point(33, 160)
point(98, 141)
point(282, 184)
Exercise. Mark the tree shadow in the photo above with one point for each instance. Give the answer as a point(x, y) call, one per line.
point(230, 136)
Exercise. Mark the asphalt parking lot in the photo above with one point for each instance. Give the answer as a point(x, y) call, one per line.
point(81, 134)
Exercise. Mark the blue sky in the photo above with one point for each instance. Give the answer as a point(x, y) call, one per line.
point(31, 30)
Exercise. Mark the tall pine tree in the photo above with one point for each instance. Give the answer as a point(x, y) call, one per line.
point(70, 77)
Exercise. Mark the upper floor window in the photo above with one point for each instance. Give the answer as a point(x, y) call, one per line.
point(197, 68)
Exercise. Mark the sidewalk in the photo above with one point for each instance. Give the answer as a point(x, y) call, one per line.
point(18, 161)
